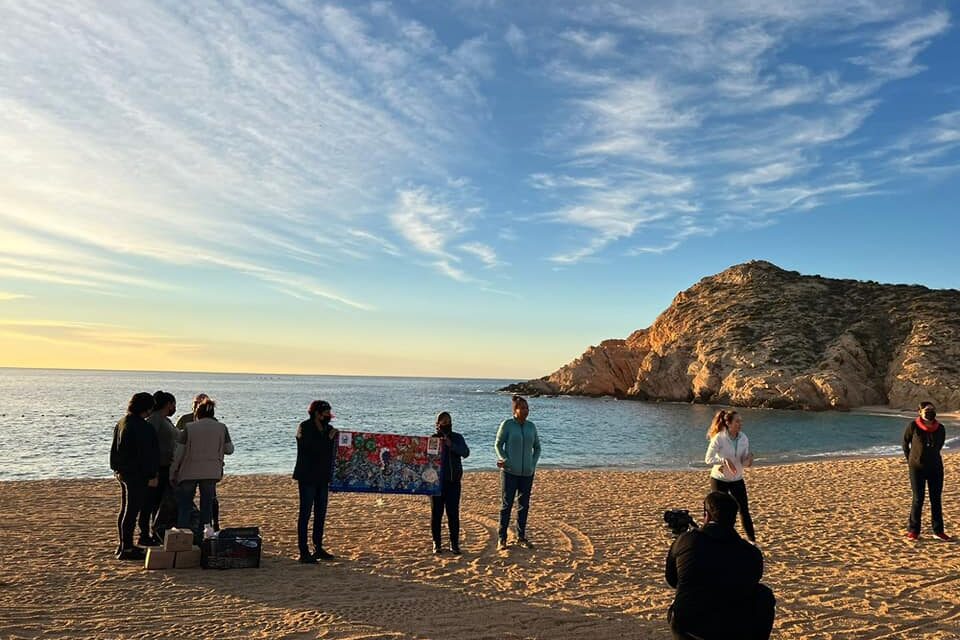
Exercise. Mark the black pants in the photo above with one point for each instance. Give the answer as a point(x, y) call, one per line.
point(313, 497)
point(919, 480)
point(154, 499)
point(738, 489)
point(133, 495)
point(449, 501)
point(758, 614)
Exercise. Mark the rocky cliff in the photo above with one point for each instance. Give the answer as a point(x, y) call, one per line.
point(756, 335)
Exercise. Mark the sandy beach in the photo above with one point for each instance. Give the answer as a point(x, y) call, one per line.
point(832, 534)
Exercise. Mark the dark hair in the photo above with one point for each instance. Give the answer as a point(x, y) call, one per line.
point(517, 401)
point(205, 409)
point(722, 508)
point(444, 414)
point(162, 399)
point(924, 405)
point(318, 406)
point(139, 403)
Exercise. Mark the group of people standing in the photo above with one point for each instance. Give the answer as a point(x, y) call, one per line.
point(150, 458)
point(715, 555)
point(517, 446)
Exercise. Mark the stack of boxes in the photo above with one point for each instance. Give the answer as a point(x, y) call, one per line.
point(178, 552)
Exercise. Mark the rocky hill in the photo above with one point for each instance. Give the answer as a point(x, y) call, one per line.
point(756, 335)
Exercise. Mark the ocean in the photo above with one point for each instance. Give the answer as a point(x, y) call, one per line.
point(59, 423)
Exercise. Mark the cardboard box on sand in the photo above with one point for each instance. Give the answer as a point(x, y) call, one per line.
point(178, 552)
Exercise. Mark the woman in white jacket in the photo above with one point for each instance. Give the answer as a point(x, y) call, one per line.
point(729, 453)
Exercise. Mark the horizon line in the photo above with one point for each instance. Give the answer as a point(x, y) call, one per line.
point(252, 373)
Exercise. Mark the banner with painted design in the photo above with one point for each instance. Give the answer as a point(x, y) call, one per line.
point(387, 463)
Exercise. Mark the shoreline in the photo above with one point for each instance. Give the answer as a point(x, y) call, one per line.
point(701, 467)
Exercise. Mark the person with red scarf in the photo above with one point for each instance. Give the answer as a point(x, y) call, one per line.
point(922, 441)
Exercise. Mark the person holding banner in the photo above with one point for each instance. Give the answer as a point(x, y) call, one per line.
point(451, 455)
point(316, 444)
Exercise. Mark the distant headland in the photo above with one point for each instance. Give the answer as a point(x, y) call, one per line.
point(756, 335)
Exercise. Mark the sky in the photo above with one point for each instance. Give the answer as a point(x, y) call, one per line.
point(461, 188)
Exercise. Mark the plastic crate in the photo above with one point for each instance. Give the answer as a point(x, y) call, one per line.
point(238, 548)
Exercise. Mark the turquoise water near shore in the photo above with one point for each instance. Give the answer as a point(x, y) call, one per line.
point(59, 423)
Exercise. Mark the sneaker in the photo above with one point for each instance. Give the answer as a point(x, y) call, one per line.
point(523, 542)
point(912, 536)
point(437, 548)
point(455, 549)
point(148, 541)
point(306, 559)
point(322, 554)
point(502, 544)
point(135, 554)
point(943, 537)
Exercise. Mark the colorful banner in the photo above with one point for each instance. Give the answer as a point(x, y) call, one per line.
point(387, 463)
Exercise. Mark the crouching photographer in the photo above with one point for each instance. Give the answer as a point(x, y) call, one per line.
point(717, 577)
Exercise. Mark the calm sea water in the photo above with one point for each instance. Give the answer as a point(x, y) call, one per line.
point(59, 424)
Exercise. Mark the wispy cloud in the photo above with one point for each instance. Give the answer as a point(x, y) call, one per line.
point(485, 253)
point(6, 296)
point(592, 45)
point(636, 251)
point(284, 142)
point(517, 40)
point(87, 334)
point(234, 131)
point(431, 223)
point(946, 128)
point(717, 101)
point(899, 46)
point(361, 236)
point(425, 221)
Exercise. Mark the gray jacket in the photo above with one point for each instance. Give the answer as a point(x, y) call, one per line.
point(205, 442)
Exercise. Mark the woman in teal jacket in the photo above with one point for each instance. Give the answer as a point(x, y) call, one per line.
point(518, 451)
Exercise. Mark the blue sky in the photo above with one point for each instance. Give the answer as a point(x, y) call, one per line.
point(472, 188)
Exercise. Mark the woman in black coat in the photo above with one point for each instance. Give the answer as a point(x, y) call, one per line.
point(453, 451)
point(922, 441)
point(316, 441)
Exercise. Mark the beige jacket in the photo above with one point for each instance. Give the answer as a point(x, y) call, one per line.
point(205, 442)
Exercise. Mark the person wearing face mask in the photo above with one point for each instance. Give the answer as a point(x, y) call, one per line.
point(729, 453)
point(134, 459)
point(165, 405)
point(452, 452)
point(316, 442)
point(922, 441)
point(517, 446)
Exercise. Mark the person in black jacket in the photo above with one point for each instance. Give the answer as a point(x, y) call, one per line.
point(453, 450)
point(135, 460)
point(922, 441)
point(717, 577)
point(316, 442)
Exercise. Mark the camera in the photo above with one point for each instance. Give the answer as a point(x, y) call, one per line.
point(678, 521)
